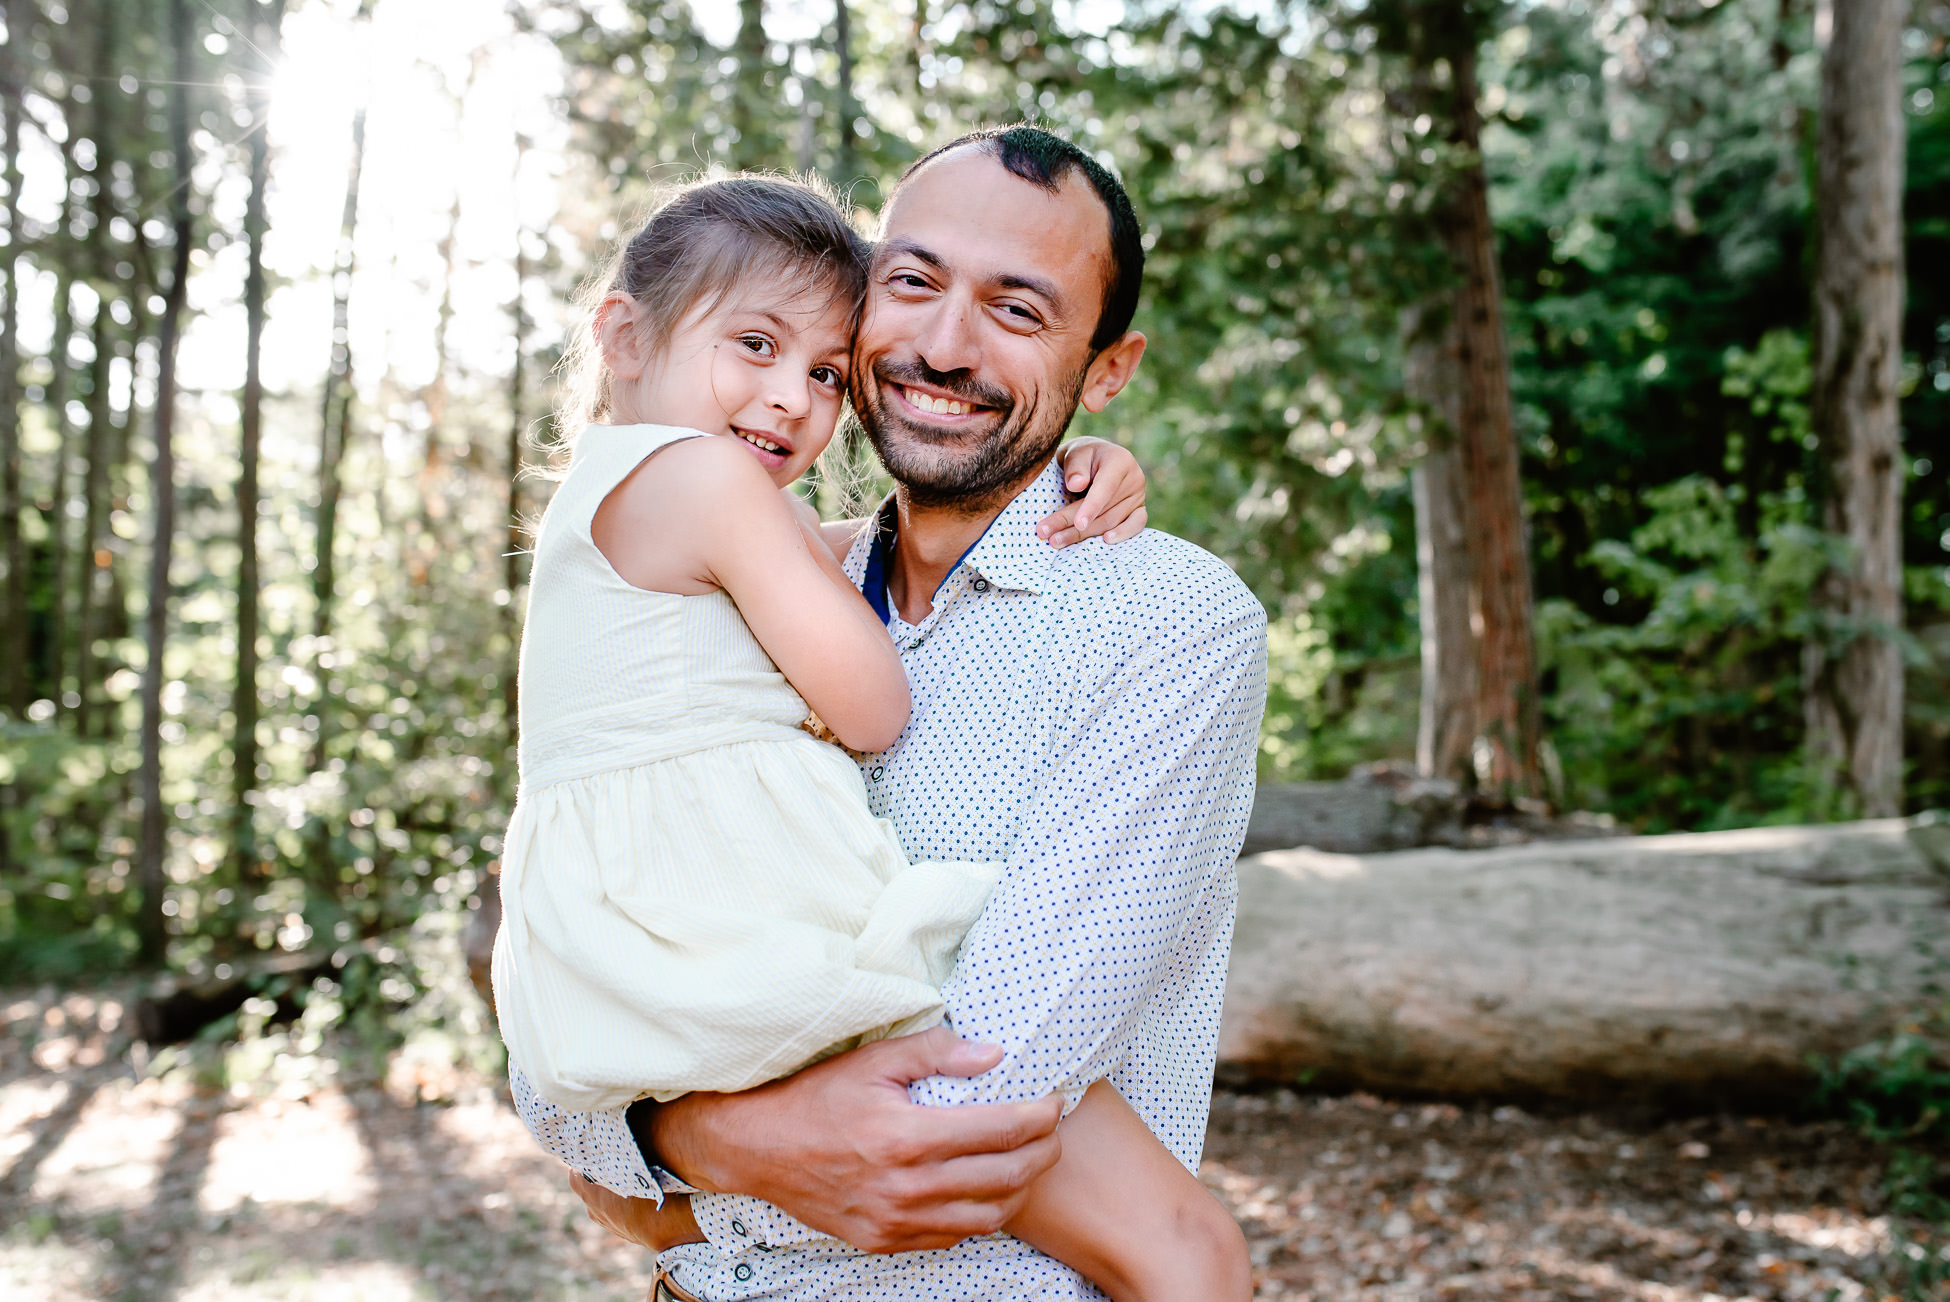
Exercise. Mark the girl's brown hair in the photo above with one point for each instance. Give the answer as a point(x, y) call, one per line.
point(704, 242)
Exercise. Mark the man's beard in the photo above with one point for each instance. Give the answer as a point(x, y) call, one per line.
point(944, 471)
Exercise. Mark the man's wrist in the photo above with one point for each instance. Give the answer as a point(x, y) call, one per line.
point(641, 1117)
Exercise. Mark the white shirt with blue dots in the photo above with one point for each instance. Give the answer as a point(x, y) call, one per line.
point(1091, 717)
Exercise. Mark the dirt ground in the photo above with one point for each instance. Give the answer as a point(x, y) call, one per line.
point(131, 1177)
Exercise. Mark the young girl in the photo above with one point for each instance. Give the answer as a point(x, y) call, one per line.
point(695, 893)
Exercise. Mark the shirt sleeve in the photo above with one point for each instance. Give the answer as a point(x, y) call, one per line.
point(598, 1144)
point(1140, 823)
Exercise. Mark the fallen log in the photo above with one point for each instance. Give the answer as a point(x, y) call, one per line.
point(1677, 970)
point(177, 1007)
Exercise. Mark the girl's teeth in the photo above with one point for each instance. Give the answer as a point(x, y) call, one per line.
point(758, 442)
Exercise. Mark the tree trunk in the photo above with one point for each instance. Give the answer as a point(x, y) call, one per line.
point(58, 491)
point(162, 487)
point(1467, 381)
point(843, 169)
point(430, 545)
point(13, 599)
point(263, 32)
point(94, 494)
point(757, 145)
point(1447, 727)
point(1853, 667)
point(1445, 577)
point(335, 427)
point(515, 547)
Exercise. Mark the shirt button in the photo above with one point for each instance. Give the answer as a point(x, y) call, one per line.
point(877, 771)
point(980, 585)
point(738, 1227)
point(742, 1273)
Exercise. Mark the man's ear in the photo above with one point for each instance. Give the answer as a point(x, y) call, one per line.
point(617, 334)
point(1111, 371)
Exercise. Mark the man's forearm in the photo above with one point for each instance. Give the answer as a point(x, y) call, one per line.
point(841, 1147)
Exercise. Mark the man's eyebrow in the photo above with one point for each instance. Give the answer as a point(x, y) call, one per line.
point(1036, 285)
point(909, 248)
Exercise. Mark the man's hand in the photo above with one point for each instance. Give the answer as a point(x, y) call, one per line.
point(639, 1220)
point(841, 1147)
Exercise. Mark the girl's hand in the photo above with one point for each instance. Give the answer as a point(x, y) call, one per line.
point(1114, 506)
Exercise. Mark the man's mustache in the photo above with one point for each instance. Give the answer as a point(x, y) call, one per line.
point(961, 384)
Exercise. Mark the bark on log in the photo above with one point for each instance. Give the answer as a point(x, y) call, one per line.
point(1676, 970)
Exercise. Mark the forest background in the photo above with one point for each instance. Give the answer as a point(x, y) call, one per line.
point(286, 282)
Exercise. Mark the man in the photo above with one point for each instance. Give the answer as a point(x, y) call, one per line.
point(1090, 716)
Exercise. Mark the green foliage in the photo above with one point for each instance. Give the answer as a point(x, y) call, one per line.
point(1689, 715)
point(1897, 1092)
point(1650, 190)
point(66, 909)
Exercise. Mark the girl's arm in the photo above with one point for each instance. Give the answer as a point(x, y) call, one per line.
point(1119, 1209)
point(1112, 507)
point(702, 514)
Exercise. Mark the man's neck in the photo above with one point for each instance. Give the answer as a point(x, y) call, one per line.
point(929, 542)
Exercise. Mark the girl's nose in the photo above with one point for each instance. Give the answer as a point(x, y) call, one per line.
point(789, 399)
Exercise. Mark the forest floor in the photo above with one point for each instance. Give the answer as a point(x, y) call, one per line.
point(129, 1177)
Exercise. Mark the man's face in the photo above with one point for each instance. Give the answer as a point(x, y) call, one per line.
point(975, 340)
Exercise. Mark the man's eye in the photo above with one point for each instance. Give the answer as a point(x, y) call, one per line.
point(759, 344)
point(908, 280)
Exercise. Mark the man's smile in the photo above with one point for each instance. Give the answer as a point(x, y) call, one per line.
point(935, 407)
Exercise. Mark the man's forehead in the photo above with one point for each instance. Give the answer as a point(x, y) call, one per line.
point(971, 212)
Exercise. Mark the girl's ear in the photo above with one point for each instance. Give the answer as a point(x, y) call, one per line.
point(618, 335)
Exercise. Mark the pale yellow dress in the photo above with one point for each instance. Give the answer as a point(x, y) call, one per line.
point(695, 895)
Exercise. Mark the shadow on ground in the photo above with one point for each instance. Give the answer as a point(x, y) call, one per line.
point(122, 1180)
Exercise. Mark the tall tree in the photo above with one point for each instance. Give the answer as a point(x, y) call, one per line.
point(162, 489)
point(1470, 397)
point(264, 23)
point(60, 374)
point(1445, 574)
point(91, 617)
point(1853, 667)
point(514, 547)
point(13, 598)
point(335, 429)
point(848, 110)
point(753, 95)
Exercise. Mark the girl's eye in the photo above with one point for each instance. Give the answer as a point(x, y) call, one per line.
point(827, 375)
point(759, 344)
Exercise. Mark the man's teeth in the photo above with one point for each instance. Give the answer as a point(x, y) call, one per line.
point(939, 406)
point(757, 442)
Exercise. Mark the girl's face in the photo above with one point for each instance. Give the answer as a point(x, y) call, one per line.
point(771, 375)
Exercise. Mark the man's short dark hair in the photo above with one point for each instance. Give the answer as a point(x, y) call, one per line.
point(1043, 158)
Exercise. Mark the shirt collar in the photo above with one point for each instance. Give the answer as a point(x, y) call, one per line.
point(1008, 554)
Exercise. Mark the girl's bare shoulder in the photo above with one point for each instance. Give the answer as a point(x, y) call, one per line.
point(695, 478)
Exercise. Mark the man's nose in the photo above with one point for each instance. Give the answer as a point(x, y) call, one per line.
point(947, 342)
